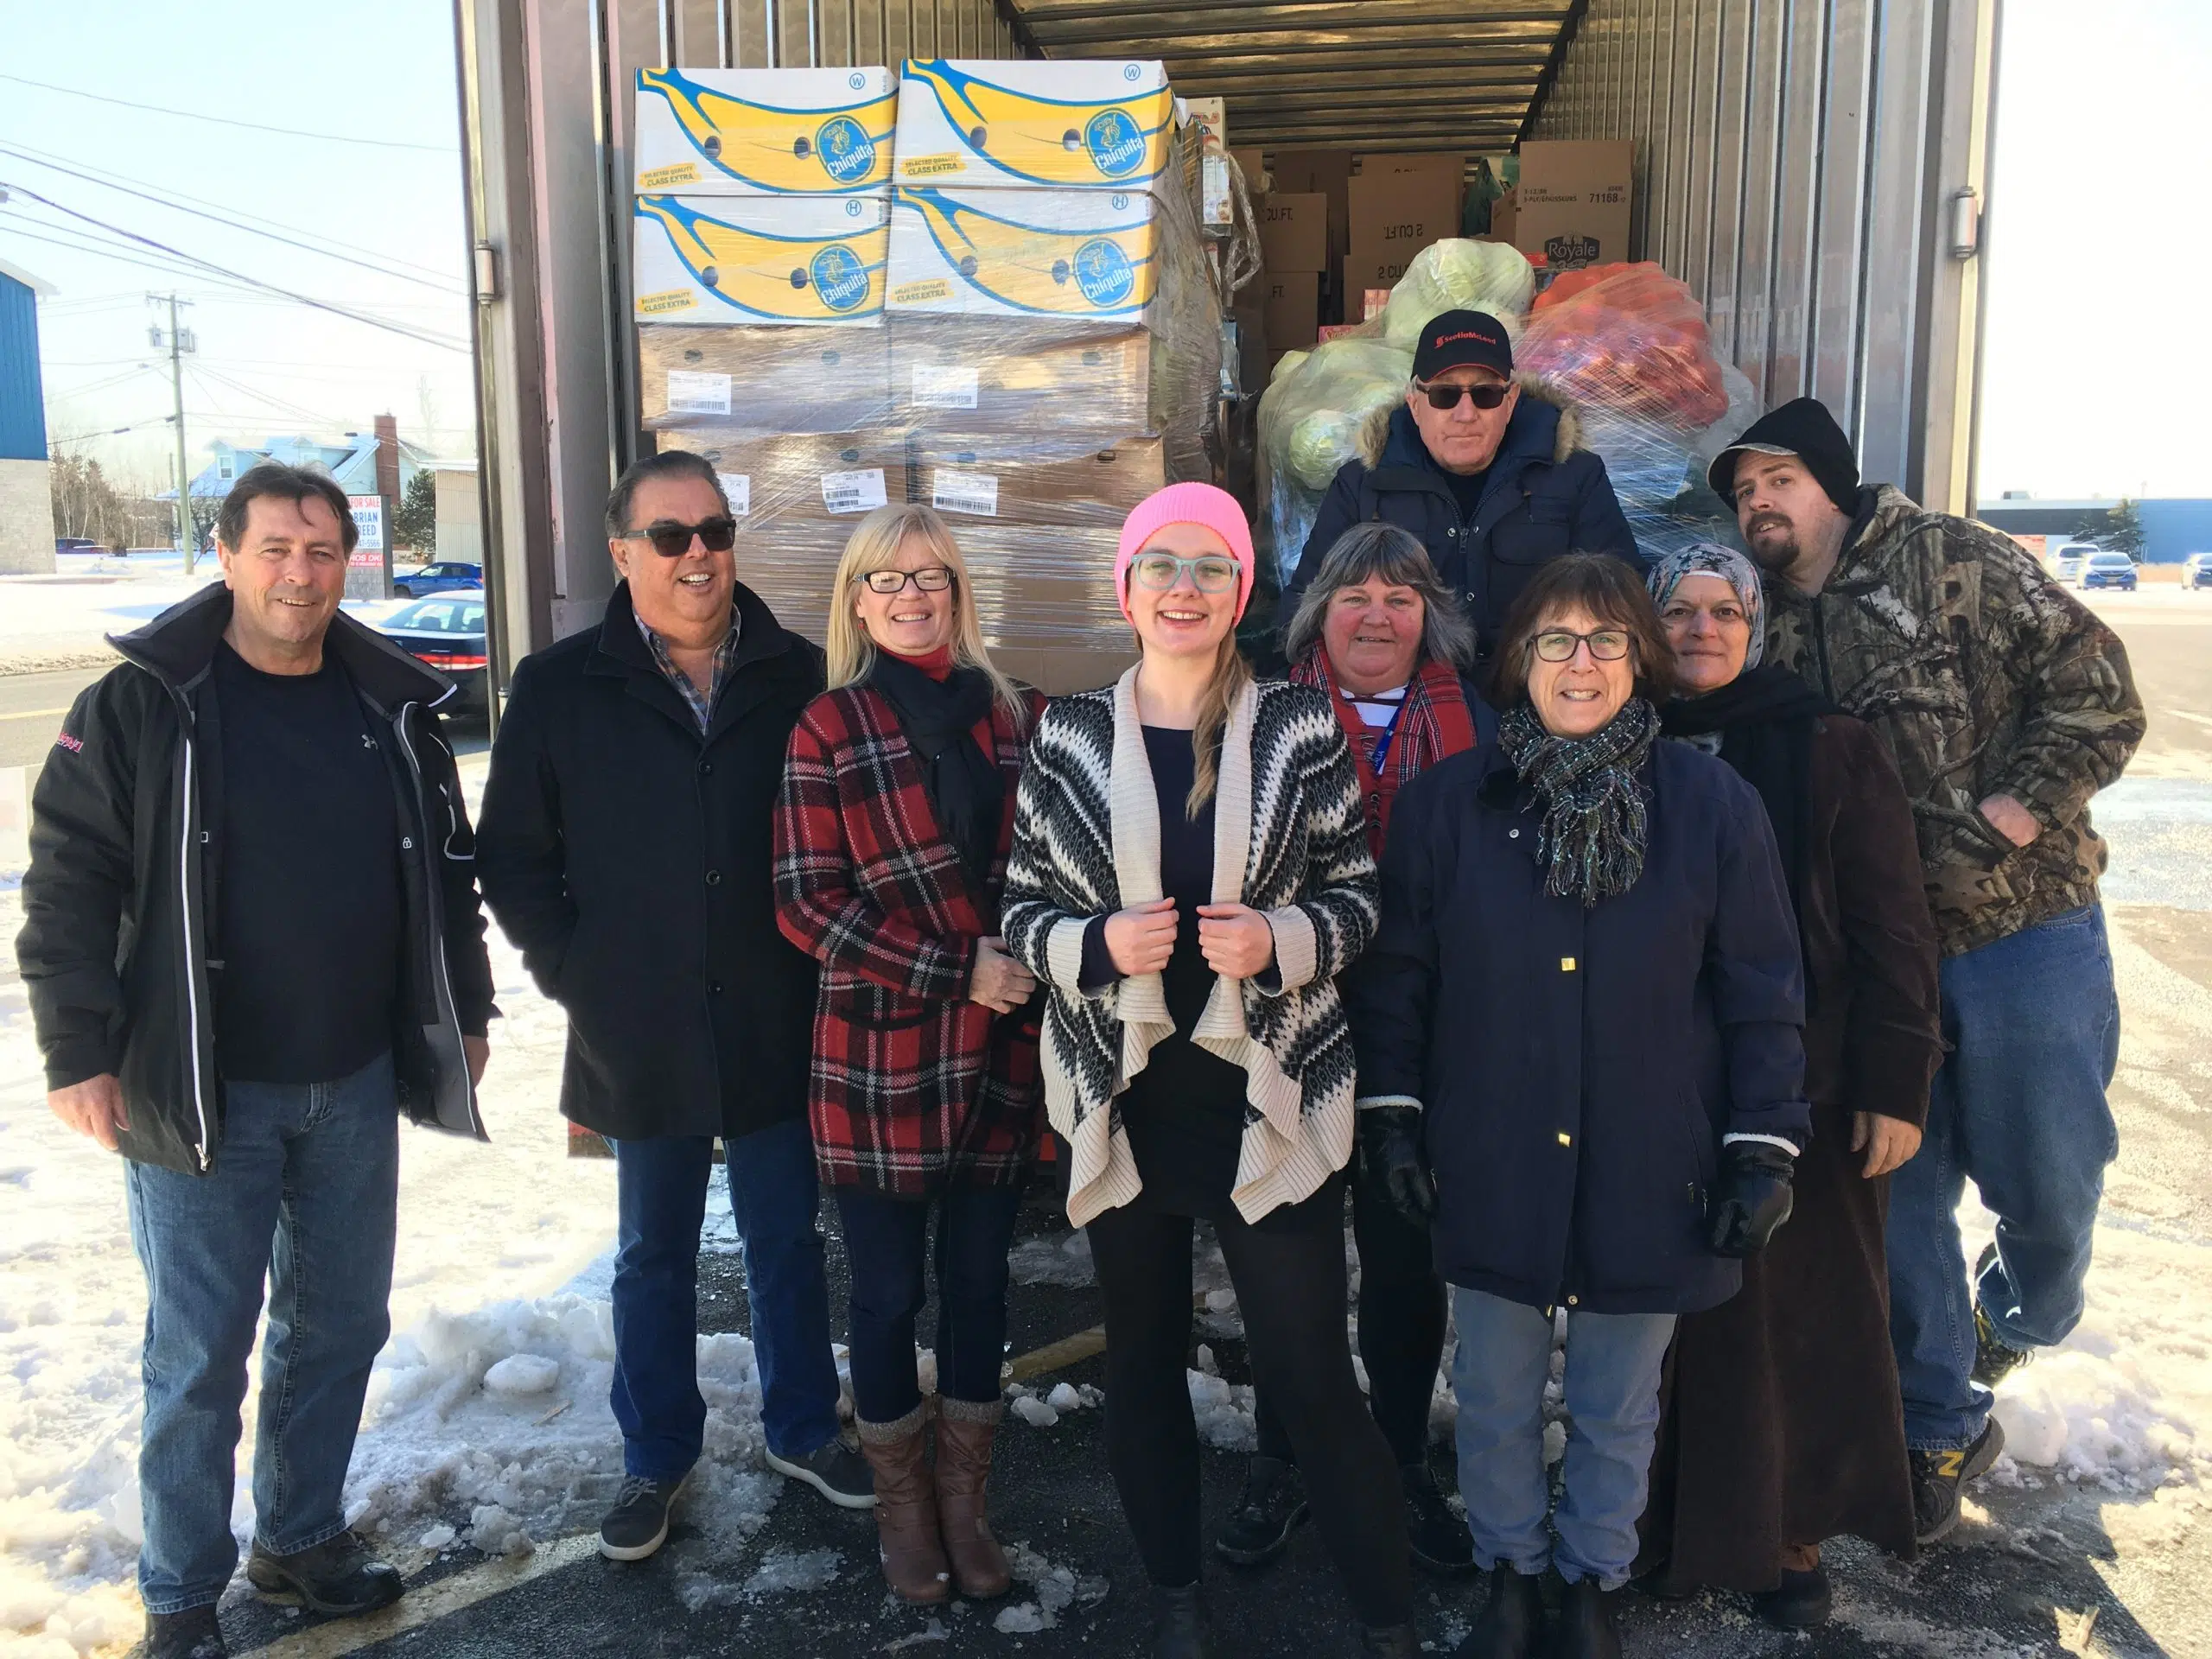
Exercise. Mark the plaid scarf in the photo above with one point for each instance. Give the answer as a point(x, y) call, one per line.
point(1433, 723)
point(1592, 842)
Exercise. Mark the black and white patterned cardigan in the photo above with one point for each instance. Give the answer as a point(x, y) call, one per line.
point(1289, 840)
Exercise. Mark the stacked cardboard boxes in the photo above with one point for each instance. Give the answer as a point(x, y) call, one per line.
point(1399, 204)
point(1572, 203)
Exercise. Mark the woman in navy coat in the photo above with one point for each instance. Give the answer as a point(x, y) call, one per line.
point(1588, 977)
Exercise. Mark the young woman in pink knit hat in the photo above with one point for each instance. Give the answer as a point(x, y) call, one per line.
point(1190, 873)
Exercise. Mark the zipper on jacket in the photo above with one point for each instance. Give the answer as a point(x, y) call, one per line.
point(449, 1009)
point(192, 966)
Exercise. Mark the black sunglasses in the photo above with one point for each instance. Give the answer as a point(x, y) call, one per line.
point(1484, 396)
point(674, 540)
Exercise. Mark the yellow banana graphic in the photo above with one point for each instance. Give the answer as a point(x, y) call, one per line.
point(1049, 271)
point(780, 150)
point(1048, 141)
point(776, 278)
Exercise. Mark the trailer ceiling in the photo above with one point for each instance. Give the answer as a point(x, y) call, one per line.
point(1382, 74)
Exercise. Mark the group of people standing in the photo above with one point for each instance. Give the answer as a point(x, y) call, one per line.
point(1649, 949)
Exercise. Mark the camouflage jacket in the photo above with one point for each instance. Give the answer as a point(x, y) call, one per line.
point(1985, 677)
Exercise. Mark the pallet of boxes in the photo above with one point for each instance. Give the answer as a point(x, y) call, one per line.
point(988, 295)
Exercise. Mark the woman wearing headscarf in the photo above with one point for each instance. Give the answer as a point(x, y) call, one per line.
point(1387, 641)
point(1588, 981)
point(891, 835)
point(1784, 1427)
point(1190, 873)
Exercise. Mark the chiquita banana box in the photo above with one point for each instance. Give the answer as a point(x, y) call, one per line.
point(764, 131)
point(726, 259)
point(1103, 124)
point(1076, 254)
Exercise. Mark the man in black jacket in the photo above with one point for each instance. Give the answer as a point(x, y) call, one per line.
point(1488, 471)
point(628, 849)
point(250, 938)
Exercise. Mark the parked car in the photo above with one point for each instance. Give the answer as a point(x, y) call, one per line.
point(448, 633)
point(2067, 560)
point(2109, 571)
point(76, 544)
point(447, 577)
point(2196, 570)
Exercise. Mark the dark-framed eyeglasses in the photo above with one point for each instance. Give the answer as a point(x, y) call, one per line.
point(674, 540)
point(932, 579)
point(1489, 395)
point(1210, 573)
point(1558, 645)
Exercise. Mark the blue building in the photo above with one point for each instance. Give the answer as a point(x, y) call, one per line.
point(26, 496)
point(2173, 526)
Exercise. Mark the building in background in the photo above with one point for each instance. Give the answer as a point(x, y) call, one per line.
point(460, 511)
point(26, 492)
point(353, 460)
point(2173, 527)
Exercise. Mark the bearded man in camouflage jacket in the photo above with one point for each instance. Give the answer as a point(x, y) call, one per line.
point(2007, 705)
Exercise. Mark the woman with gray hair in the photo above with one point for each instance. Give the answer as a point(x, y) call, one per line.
point(1381, 634)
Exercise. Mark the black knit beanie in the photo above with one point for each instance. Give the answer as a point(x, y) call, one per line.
point(1803, 427)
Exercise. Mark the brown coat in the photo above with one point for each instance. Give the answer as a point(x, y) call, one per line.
point(1782, 1418)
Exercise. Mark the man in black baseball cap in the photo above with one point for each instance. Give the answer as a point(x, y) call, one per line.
point(1486, 469)
point(1794, 481)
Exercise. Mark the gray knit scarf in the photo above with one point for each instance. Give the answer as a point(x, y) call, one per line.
point(1592, 842)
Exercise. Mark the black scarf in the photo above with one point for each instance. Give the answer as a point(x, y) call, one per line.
point(1765, 717)
point(966, 791)
point(1595, 823)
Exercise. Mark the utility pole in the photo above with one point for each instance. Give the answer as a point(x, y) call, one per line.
point(179, 341)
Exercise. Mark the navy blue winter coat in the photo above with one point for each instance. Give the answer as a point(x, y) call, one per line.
point(1545, 495)
point(1577, 1067)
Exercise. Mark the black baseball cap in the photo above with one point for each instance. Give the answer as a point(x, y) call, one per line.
point(1462, 340)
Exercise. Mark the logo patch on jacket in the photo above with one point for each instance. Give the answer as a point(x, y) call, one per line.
point(75, 745)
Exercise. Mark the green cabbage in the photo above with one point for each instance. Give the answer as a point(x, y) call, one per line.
point(1458, 274)
point(1310, 419)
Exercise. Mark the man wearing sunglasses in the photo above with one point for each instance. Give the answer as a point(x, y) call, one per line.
point(627, 847)
point(1487, 471)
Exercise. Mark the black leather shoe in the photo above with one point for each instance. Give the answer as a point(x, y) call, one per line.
point(1394, 1641)
point(337, 1576)
point(1800, 1602)
point(192, 1634)
point(1509, 1625)
point(1179, 1629)
point(1271, 1508)
point(1439, 1537)
point(1585, 1629)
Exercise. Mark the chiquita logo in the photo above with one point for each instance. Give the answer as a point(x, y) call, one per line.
point(1116, 145)
point(840, 278)
point(1103, 272)
point(847, 153)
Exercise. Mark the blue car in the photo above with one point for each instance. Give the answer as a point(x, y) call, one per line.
point(2196, 570)
point(448, 633)
point(2109, 571)
point(438, 579)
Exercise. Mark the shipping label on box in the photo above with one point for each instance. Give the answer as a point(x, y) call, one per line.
point(1001, 477)
point(790, 479)
point(789, 259)
point(1052, 384)
point(1294, 232)
point(769, 378)
point(1074, 254)
point(1102, 124)
point(1293, 306)
point(764, 131)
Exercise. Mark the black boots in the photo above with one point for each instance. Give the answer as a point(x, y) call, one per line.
point(1585, 1624)
point(1440, 1539)
point(1274, 1504)
point(1509, 1624)
point(1179, 1629)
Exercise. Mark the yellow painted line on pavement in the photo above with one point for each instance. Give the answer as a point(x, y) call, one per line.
point(36, 714)
point(1057, 1356)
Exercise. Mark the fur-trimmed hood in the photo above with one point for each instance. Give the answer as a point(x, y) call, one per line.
point(1539, 401)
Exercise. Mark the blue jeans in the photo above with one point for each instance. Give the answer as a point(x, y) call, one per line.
point(1498, 1373)
point(2033, 1025)
point(662, 1191)
point(887, 1240)
point(304, 1193)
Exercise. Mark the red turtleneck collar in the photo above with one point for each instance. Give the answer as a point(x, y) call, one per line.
point(937, 663)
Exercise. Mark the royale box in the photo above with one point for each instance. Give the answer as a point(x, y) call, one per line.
point(1100, 123)
point(764, 131)
point(731, 259)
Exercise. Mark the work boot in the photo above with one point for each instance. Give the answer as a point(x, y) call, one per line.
point(1179, 1627)
point(1937, 1476)
point(337, 1576)
point(1440, 1538)
point(1393, 1642)
point(1800, 1602)
point(964, 1432)
point(192, 1634)
point(1994, 1359)
point(637, 1525)
point(1585, 1628)
point(1274, 1504)
point(912, 1547)
point(1510, 1623)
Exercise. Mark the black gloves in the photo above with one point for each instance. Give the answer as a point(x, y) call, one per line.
point(1751, 1198)
point(1391, 1166)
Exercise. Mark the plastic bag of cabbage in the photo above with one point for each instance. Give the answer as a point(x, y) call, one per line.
point(1309, 426)
point(1456, 275)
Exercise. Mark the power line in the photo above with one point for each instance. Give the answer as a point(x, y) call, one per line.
point(114, 431)
point(120, 252)
point(208, 265)
point(224, 121)
point(445, 286)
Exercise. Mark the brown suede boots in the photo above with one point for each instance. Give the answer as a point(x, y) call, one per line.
point(923, 1517)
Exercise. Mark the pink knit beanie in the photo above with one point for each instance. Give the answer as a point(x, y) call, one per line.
point(1186, 504)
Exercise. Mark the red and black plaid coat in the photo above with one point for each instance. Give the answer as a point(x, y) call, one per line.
point(913, 1085)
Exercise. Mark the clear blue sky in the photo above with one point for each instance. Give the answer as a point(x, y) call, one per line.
point(2097, 342)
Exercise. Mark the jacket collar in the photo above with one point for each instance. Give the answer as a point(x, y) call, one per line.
point(1547, 425)
point(178, 648)
point(621, 652)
